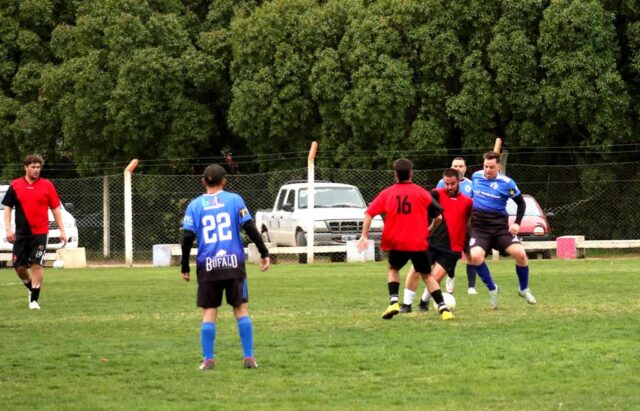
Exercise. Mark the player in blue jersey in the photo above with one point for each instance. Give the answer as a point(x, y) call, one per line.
point(466, 188)
point(215, 219)
point(490, 225)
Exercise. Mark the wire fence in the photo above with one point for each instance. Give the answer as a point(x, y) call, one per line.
point(598, 201)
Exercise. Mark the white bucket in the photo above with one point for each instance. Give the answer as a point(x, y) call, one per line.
point(355, 256)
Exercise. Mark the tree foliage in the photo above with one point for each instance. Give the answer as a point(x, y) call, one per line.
point(99, 82)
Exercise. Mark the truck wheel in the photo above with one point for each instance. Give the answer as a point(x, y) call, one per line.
point(378, 254)
point(338, 257)
point(301, 241)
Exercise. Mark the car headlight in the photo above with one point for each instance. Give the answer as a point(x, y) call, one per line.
point(538, 230)
point(319, 226)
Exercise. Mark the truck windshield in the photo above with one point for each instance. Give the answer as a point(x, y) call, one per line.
point(331, 197)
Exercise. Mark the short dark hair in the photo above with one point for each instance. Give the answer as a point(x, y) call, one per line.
point(33, 158)
point(492, 155)
point(403, 168)
point(451, 172)
point(461, 159)
point(213, 175)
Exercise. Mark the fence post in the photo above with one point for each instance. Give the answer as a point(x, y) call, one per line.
point(128, 215)
point(311, 200)
point(106, 218)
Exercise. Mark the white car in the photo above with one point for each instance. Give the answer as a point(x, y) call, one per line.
point(53, 240)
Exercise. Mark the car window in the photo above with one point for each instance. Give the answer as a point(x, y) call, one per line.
point(337, 197)
point(531, 210)
point(281, 198)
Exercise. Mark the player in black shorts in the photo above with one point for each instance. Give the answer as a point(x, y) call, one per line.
point(31, 197)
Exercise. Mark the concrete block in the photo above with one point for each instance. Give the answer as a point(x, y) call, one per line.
point(355, 256)
point(567, 247)
point(72, 257)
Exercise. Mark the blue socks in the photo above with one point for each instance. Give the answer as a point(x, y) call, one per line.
point(523, 276)
point(471, 275)
point(485, 276)
point(208, 339)
point(245, 329)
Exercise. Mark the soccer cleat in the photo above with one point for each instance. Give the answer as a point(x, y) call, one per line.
point(391, 310)
point(493, 298)
point(472, 291)
point(405, 308)
point(423, 306)
point(33, 305)
point(526, 294)
point(249, 362)
point(207, 365)
point(451, 282)
point(446, 315)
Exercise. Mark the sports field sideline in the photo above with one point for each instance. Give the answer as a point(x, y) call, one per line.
point(118, 338)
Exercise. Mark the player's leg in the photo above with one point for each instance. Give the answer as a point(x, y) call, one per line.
point(21, 264)
point(238, 297)
point(438, 273)
point(471, 273)
point(522, 270)
point(410, 287)
point(209, 299)
point(397, 260)
point(422, 263)
point(478, 254)
point(36, 249)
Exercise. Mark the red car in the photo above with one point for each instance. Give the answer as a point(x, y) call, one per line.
point(535, 223)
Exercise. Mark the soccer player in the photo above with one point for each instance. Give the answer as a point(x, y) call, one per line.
point(215, 219)
point(446, 241)
point(490, 225)
point(466, 188)
point(31, 196)
point(406, 207)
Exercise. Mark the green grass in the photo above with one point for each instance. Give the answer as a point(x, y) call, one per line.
point(116, 338)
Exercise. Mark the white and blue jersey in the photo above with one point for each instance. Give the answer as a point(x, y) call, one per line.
point(466, 186)
point(216, 220)
point(491, 196)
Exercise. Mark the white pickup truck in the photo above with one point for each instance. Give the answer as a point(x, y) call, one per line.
point(338, 215)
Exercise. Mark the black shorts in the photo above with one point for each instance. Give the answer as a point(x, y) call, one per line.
point(446, 258)
point(29, 250)
point(420, 260)
point(491, 231)
point(210, 293)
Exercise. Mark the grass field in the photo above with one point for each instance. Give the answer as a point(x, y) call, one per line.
point(116, 338)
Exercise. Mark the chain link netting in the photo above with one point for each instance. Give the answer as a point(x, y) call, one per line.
point(598, 201)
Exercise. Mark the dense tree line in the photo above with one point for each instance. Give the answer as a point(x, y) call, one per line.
point(97, 81)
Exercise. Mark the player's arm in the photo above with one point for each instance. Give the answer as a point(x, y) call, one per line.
point(252, 232)
point(522, 206)
point(57, 215)
point(188, 238)
point(435, 213)
point(363, 242)
point(11, 236)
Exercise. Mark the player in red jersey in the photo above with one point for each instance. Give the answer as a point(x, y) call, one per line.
point(31, 197)
point(447, 241)
point(406, 207)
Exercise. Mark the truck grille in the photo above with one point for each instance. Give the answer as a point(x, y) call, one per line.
point(53, 225)
point(345, 226)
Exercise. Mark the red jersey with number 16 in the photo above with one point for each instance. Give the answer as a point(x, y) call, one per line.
point(406, 225)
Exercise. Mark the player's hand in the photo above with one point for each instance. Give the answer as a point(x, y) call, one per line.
point(514, 229)
point(186, 276)
point(11, 236)
point(265, 263)
point(63, 238)
point(363, 243)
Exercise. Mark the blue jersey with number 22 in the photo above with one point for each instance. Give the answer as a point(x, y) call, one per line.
point(491, 196)
point(216, 219)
